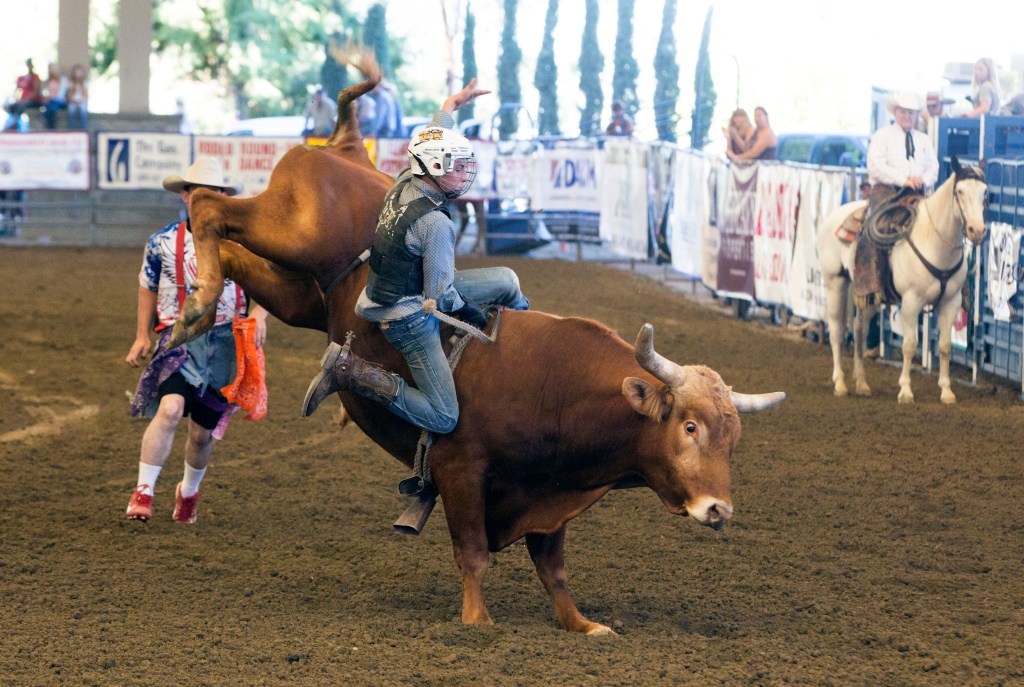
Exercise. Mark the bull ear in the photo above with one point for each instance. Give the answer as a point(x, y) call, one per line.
point(647, 399)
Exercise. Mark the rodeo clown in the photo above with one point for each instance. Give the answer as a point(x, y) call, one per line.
point(183, 381)
point(412, 275)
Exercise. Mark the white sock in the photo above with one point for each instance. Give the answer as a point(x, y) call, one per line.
point(190, 481)
point(147, 475)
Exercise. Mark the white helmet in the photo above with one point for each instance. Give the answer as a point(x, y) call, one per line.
point(446, 156)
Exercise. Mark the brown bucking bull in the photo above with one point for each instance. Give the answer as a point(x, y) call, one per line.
point(552, 416)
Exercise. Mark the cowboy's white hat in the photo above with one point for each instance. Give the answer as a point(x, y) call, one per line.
point(205, 171)
point(905, 100)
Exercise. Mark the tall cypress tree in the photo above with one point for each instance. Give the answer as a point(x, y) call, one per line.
point(375, 35)
point(469, 70)
point(704, 92)
point(508, 73)
point(333, 76)
point(626, 69)
point(546, 76)
point(666, 71)
point(591, 66)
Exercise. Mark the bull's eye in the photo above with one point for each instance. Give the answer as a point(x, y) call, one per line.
point(691, 428)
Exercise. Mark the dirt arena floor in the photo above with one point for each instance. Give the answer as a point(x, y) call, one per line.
point(873, 543)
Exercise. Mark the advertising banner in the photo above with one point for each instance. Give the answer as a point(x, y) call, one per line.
point(247, 160)
point(778, 198)
point(689, 214)
point(710, 239)
point(624, 198)
point(821, 193)
point(736, 248)
point(483, 186)
point(392, 155)
point(30, 161)
point(140, 160)
point(567, 181)
point(1003, 257)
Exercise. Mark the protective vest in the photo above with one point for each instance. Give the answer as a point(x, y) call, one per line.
point(395, 271)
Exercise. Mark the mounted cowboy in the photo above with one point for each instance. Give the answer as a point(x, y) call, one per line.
point(925, 266)
point(902, 168)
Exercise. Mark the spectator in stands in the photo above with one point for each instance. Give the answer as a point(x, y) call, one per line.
point(320, 115)
point(740, 132)
point(865, 189)
point(984, 88)
point(621, 124)
point(764, 144)
point(389, 112)
point(55, 89)
point(28, 93)
point(366, 113)
point(78, 99)
point(185, 125)
point(1014, 106)
point(934, 108)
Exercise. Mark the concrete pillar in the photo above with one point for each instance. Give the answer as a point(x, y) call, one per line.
point(73, 34)
point(134, 35)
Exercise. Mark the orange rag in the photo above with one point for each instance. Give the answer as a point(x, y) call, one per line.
point(249, 390)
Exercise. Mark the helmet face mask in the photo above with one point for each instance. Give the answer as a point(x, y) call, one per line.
point(445, 156)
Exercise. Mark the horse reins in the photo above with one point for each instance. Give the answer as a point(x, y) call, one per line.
point(945, 275)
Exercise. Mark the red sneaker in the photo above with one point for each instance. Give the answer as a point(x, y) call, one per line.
point(140, 505)
point(185, 509)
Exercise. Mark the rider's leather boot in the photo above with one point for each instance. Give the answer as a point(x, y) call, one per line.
point(343, 370)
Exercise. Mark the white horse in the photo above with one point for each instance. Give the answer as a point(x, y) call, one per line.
point(929, 266)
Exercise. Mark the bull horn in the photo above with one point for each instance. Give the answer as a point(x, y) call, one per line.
point(751, 403)
point(662, 368)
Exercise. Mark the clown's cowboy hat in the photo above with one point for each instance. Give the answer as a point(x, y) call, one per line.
point(205, 171)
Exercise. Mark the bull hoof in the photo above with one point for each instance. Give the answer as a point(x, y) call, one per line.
point(601, 631)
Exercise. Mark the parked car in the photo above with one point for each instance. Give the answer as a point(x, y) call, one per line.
point(268, 126)
point(838, 150)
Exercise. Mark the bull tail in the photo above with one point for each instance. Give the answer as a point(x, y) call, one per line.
point(346, 128)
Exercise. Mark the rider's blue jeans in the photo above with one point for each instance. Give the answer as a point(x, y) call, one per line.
point(432, 404)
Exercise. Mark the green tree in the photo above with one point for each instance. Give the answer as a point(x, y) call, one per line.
point(508, 74)
point(704, 91)
point(267, 54)
point(591, 66)
point(546, 76)
point(666, 71)
point(469, 70)
point(375, 36)
point(626, 69)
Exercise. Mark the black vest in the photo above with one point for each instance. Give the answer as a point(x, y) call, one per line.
point(395, 271)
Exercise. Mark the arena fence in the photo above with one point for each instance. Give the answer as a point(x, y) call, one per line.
point(746, 232)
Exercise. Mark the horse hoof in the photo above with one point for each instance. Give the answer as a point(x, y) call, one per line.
point(841, 390)
point(906, 397)
point(863, 389)
point(948, 397)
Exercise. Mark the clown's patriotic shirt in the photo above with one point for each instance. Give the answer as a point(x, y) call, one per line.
point(158, 274)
